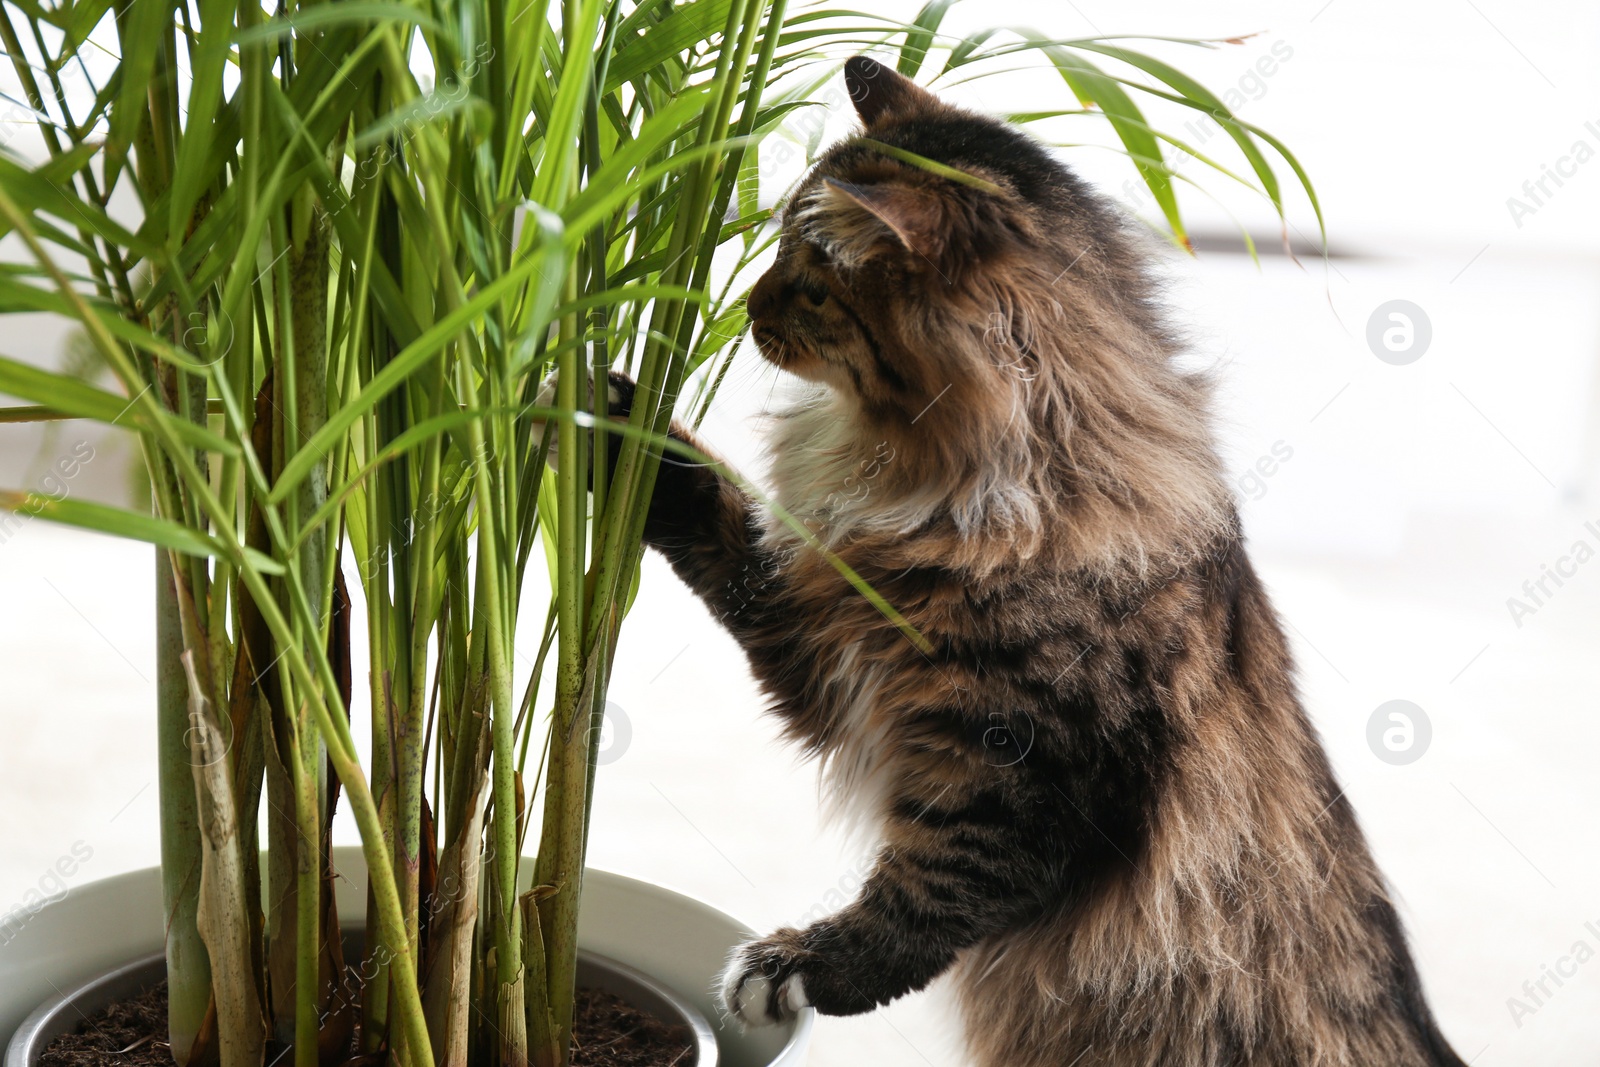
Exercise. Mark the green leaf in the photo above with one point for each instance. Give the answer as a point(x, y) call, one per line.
point(79, 399)
point(1091, 85)
point(65, 394)
point(920, 35)
point(16, 297)
point(610, 198)
point(932, 166)
point(623, 294)
point(433, 107)
point(140, 35)
point(1203, 99)
point(1299, 172)
point(132, 525)
point(617, 179)
point(210, 56)
point(46, 190)
point(410, 439)
point(344, 13)
point(721, 332)
point(962, 52)
point(685, 27)
point(428, 346)
point(82, 17)
point(62, 168)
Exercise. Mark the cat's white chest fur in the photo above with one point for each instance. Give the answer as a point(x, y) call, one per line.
point(856, 774)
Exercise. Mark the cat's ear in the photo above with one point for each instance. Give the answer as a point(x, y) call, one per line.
point(879, 92)
point(912, 214)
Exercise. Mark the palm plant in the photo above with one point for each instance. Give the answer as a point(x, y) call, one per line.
point(328, 251)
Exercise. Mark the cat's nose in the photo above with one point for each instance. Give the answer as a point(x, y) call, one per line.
point(763, 296)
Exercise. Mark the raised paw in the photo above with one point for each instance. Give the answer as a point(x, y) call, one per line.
point(762, 984)
point(619, 402)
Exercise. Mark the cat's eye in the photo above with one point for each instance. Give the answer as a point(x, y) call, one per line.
point(816, 294)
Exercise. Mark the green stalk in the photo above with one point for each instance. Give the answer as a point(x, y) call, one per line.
point(579, 678)
point(392, 617)
point(308, 900)
point(304, 358)
point(223, 918)
point(188, 962)
point(497, 641)
point(560, 862)
point(448, 997)
point(283, 862)
point(635, 474)
point(541, 1027)
point(378, 226)
point(315, 676)
point(413, 730)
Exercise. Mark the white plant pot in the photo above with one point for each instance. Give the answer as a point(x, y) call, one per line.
point(680, 942)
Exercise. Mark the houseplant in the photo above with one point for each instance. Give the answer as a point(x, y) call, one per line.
point(361, 234)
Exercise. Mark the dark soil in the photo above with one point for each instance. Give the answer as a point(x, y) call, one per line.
point(608, 1032)
point(130, 1033)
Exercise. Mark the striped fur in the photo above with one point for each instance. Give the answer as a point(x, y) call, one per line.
point(1099, 799)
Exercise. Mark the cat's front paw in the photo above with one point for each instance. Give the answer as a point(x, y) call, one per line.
point(763, 984)
point(619, 402)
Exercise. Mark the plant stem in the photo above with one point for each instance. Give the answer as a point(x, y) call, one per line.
point(222, 917)
point(188, 962)
point(560, 862)
point(497, 638)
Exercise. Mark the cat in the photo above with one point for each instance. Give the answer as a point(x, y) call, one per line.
point(1100, 803)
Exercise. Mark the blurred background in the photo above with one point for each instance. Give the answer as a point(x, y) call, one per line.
point(1413, 423)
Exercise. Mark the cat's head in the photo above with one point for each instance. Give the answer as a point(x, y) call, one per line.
point(895, 280)
point(994, 325)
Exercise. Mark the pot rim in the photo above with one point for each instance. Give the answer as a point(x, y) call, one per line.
point(134, 977)
point(118, 983)
point(39, 959)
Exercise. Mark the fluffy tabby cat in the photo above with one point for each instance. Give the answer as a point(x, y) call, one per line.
point(1099, 800)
